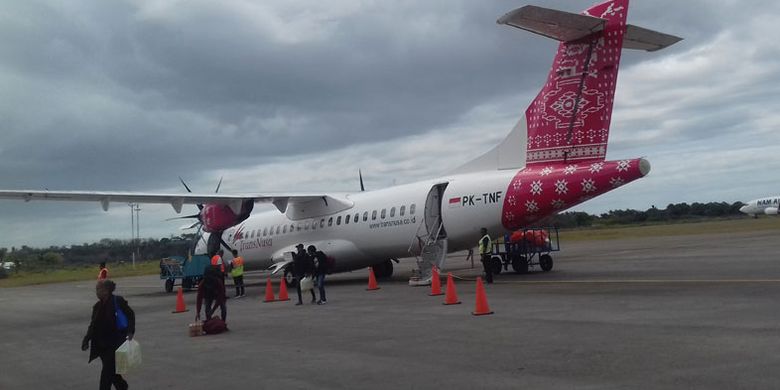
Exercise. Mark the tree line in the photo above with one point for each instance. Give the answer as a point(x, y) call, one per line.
point(26, 258)
point(672, 212)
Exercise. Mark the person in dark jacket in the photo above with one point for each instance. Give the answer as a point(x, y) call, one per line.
point(320, 270)
point(212, 289)
point(303, 266)
point(104, 336)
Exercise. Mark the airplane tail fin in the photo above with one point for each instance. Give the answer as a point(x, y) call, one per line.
point(569, 119)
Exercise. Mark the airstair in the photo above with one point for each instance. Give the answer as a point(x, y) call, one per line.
point(429, 245)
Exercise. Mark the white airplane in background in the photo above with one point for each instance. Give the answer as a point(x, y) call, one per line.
point(553, 159)
point(766, 206)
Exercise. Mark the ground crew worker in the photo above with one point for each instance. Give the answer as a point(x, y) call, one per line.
point(237, 272)
point(103, 273)
point(485, 250)
point(217, 260)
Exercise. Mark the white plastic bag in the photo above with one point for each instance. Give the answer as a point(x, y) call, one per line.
point(307, 283)
point(128, 356)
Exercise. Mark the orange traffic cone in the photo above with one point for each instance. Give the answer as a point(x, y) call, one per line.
point(452, 297)
point(269, 291)
point(283, 290)
point(435, 283)
point(180, 308)
point(481, 308)
point(371, 280)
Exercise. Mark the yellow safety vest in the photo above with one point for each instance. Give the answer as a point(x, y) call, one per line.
point(485, 248)
point(238, 267)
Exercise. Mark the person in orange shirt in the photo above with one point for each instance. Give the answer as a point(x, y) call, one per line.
point(103, 273)
point(237, 272)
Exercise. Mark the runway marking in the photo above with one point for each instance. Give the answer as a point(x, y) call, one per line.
point(692, 281)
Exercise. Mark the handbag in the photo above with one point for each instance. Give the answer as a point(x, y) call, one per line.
point(127, 356)
point(307, 283)
point(121, 318)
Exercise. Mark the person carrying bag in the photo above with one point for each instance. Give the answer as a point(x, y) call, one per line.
point(112, 323)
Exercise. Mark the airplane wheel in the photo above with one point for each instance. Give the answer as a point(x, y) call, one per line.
point(289, 278)
point(383, 270)
point(169, 285)
point(495, 262)
point(520, 264)
point(546, 262)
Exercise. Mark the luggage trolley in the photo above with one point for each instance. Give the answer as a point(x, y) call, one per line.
point(525, 249)
point(190, 271)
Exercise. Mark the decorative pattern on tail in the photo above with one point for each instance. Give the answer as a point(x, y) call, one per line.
point(568, 121)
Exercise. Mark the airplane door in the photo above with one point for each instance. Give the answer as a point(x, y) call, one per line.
point(433, 221)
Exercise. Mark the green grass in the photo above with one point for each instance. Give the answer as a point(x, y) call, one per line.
point(681, 228)
point(72, 274)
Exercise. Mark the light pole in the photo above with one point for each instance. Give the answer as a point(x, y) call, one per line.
point(132, 232)
point(137, 231)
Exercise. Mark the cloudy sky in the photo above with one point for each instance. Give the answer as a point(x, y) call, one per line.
point(297, 95)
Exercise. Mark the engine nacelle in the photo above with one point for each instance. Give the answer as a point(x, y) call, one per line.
point(770, 211)
point(218, 217)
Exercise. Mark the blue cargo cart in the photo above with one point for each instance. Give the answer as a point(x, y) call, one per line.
point(189, 271)
point(533, 250)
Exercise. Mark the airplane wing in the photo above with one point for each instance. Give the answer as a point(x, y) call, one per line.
point(234, 201)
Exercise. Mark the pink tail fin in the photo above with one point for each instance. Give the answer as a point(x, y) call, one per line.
point(568, 121)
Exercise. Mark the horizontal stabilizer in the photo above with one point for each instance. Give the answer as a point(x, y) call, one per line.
point(559, 25)
point(643, 39)
point(567, 27)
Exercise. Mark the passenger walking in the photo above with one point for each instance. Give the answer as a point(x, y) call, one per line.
point(212, 290)
point(103, 272)
point(485, 250)
point(320, 270)
point(113, 322)
point(303, 266)
point(237, 271)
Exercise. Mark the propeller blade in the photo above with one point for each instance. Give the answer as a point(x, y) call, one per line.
point(200, 206)
point(362, 188)
point(218, 185)
point(184, 217)
point(188, 227)
point(185, 184)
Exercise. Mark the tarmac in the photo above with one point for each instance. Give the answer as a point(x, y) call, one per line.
point(696, 312)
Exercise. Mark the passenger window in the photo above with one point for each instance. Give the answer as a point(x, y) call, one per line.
point(373, 215)
point(298, 226)
point(271, 231)
point(313, 225)
point(277, 229)
point(306, 226)
point(292, 228)
point(357, 217)
point(346, 219)
point(411, 209)
point(338, 220)
point(384, 212)
point(285, 229)
point(365, 216)
point(322, 223)
point(402, 210)
point(330, 221)
point(392, 212)
point(265, 232)
point(252, 234)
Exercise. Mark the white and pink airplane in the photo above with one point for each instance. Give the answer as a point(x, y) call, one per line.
point(553, 159)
